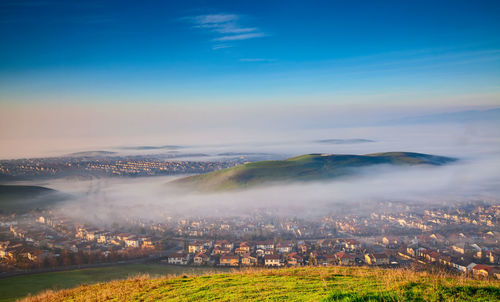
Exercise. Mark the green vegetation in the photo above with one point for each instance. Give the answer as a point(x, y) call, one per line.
point(302, 168)
point(299, 284)
point(20, 286)
point(21, 199)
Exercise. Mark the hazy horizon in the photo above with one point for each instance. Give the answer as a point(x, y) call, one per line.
point(94, 75)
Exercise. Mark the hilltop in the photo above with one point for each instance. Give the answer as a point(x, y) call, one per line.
point(303, 168)
point(294, 284)
point(20, 199)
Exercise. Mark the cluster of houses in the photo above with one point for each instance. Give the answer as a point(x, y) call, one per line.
point(283, 253)
point(390, 251)
point(15, 251)
point(127, 240)
point(34, 239)
point(464, 238)
point(463, 257)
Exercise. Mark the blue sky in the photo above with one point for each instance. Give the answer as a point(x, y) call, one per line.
point(248, 51)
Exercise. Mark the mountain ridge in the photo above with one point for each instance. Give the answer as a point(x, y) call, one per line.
point(315, 166)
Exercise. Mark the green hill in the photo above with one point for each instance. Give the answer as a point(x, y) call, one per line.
point(299, 284)
point(302, 168)
point(20, 199)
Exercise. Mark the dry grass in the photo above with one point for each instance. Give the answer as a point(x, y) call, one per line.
point(297, 284)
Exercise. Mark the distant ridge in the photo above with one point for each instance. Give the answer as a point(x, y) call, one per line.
point(91, 154)
point(21, 199)
point(302, 168)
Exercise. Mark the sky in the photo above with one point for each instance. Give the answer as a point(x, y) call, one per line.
point(85, 73)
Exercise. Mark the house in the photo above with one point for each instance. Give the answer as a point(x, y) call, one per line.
point(148, 243)
point(177, 258)
point(411, 251)
point(132, 242)
point(329, 259)
point(445, 260)
point(285, 247)
point(104, 238)
point(229, 260)
point(459, 265)
point(195, 247)
point(259, 252)
point(462, 248)
point(244, 246)
point(220, 250)
point(352, 244)
point(377, 259)
point(345, 259)
point(302, 247)
point(470, 266)
point(432, 256)
point(200, 246)
point(492, 256)
point(421, 252)
point(438, 238)
point(224, 244)
point(248, 260)
point(3, 248)
point(390, 241)
point(29, 253)
point(269, 252)
point(264, 245)
point(295, 259)
point(272, 261)
point(201, 259)
point(482, 270)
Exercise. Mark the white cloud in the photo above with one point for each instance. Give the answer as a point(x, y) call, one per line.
point(221, 46)
point(240, 37)
point(226, 24)
point(215, 19)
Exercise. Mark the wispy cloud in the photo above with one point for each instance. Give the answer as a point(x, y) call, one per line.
point(215, 19)
point(239, 37)
point(228, 27)
point(221, 46)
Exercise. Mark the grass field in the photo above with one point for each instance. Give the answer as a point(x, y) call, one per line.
point(301, 284)
point(20, 286)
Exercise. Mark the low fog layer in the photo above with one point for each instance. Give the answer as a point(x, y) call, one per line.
point(114, 199)
point(474, 177)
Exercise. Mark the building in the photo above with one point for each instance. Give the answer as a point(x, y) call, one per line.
point(201, 259)
point(295, 259)
point(482, 270)
point(284, 248)
point(377, 259)
point(264, 245)
point(247, 260)
point(272, 261)
point(178, 258)
point(229, 260)
point(345, 259)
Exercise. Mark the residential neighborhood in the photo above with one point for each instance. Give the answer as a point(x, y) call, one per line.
point(463, 239)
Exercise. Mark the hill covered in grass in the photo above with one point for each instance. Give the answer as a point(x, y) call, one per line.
point(303, 168)
point(296, 284)
point(21, 199)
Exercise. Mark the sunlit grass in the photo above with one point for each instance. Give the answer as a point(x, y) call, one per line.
point(301, 284)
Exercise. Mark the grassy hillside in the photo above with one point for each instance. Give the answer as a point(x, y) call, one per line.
point(302, 168)
point(20, 199)
point(17, 287)
point(301, 284)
